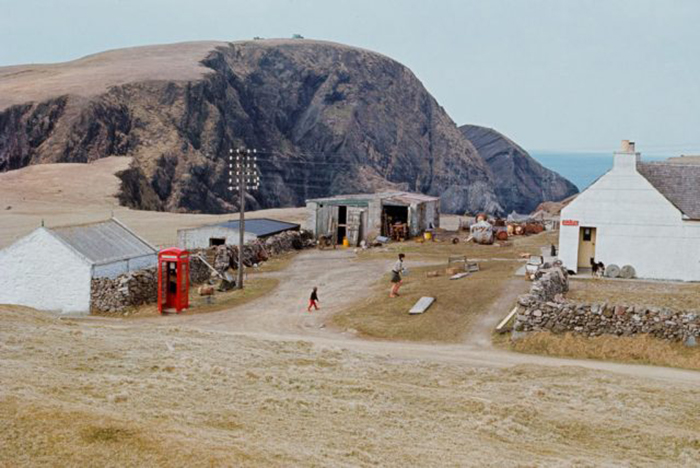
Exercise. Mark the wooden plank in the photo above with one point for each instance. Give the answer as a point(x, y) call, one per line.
point(422, 305)
point(459, 276)
point(507, 319)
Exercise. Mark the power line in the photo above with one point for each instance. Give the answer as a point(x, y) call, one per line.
point(248, 178)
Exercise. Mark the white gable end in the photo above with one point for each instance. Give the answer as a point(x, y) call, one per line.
point(40, 271)
point(635, 225)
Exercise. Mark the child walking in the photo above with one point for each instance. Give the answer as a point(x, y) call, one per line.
point(313, 300)
point(396, 280)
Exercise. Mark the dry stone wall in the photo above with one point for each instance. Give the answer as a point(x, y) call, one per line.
point(261, 250)
point(545, 308)
point(127, 290)
point(141, 287)
point(199, 272)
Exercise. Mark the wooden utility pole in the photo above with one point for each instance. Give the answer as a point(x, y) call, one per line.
point(248, 179)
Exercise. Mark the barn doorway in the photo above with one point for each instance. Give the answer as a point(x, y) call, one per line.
point(342, 230)
point(586, 246)
point(392, 215)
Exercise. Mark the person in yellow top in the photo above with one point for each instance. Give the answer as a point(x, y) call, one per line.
point(396, 276)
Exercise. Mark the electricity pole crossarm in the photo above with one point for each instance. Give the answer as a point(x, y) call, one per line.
point(244, 166)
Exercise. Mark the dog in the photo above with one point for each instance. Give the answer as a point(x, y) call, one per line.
point(597, 268)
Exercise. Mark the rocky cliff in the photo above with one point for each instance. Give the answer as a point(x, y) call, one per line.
point(520, 182)
point(326, 119)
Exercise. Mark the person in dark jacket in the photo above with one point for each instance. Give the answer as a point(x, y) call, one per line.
point(313, 300)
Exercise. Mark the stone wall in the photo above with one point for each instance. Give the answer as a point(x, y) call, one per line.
point(141, 287)
point(199, 272)
point(127, 290)
point(545, 308)
point(261, 250)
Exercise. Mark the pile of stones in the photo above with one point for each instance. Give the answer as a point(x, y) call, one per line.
point(259, 251)
point(545, 308)
point(552, 282)
point(127, 290)
point(199, 271)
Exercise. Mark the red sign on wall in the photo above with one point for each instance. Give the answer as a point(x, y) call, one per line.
point(569, 222)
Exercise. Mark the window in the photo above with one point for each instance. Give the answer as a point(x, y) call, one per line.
point(214, 241)
point(587, 234)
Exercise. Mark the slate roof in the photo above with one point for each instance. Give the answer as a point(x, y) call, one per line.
point(679, 183)
point(103, 242)
point(261, 227)
point(406, 197)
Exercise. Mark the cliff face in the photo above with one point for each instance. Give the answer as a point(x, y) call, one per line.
point(326, 119)
point(520, 182)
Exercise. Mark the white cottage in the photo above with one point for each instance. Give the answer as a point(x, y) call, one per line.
point(646, 215)
point(52, 268)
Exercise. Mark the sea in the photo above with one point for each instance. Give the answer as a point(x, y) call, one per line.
point(581, 168)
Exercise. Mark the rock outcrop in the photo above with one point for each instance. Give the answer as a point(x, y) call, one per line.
point(521, 183)
point(326, 118)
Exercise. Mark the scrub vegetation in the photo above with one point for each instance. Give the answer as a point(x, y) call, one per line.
point(636, 350)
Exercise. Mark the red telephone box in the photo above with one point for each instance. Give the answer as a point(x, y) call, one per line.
point(173, 279)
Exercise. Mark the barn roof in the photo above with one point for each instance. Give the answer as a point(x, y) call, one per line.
point(261, 227)
point(104, 241)
point(679, 183)
point(404, 197)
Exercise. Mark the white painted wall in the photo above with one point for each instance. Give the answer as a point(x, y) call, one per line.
point(198, 238)
point(636, 225)
point(40, 271)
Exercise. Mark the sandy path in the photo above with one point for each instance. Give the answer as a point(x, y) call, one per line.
point(282, 316)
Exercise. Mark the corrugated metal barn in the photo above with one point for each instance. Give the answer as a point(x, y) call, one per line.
point(52, 268)
point(366, 216)
point(228, 232)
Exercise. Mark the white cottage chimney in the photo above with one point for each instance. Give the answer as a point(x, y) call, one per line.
point(626, 158)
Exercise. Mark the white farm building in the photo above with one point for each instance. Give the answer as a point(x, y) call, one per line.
point(645, 215)
point(52, 268)
point(228, 232)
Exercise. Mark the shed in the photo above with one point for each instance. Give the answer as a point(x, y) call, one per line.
point(365, 216)
point(52, 268)
point(646, 215)
point(228, 232)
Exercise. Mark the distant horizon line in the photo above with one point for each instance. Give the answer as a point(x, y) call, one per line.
point(605, 153)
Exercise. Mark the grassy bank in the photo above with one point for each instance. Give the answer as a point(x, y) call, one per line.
point(641, 349)
point(683, 296)
point(255, 287)
point(458, 303)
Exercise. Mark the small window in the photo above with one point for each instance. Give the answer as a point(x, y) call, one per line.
point(587, 234)
point(214, 241)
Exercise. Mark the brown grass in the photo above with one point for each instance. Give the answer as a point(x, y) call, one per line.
point(641, 349)
point(431, 251)
point(255, 288)
point(197, 398)
point(278, 263)
point(458, 303)
point(56, 435)
point(682, 296)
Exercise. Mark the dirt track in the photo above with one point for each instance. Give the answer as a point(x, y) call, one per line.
point(342, 281)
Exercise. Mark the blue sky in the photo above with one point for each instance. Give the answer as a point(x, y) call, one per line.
point(551, 74)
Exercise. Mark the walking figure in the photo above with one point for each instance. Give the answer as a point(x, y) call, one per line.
point(313, 300)
point(396, 276)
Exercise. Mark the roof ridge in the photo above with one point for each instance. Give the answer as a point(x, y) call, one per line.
point(85, 224)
